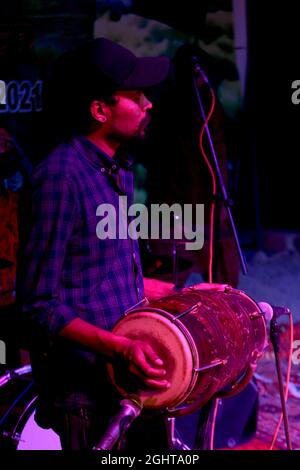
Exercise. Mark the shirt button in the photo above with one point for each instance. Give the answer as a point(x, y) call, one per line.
point(114, 167)
point(102, 170)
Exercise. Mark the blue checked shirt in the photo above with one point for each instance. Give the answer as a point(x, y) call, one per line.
point(69, 272)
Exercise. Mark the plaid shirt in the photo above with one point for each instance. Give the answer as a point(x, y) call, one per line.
point(69, 272)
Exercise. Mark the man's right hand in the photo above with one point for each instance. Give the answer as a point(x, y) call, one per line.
point(142, 362)
point(138, 355)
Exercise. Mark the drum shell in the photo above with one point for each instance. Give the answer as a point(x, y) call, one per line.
point(225, 328)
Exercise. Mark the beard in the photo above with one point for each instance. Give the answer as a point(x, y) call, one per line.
point(143, 128)
point(138, 135)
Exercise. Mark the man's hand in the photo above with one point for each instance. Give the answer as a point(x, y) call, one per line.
point(155, 289)
point(142, 362)
point(138, 355)
point(207, 286)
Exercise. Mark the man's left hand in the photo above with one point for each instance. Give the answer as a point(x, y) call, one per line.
point(207, 286)
point(156, 289)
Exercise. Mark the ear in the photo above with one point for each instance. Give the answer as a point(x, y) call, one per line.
point(98, 111)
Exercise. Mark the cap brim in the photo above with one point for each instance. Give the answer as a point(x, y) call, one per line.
point(148, 72)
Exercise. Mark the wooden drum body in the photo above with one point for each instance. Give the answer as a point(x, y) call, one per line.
point(210, 342)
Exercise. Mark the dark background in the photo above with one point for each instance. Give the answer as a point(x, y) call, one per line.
point(267, 187)
point(272, 119)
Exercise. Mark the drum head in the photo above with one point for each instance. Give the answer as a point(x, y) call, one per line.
point(171, 345)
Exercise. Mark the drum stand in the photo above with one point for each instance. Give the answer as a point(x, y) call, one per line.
point(204, 439)
point(174, 441)
point(206, 425)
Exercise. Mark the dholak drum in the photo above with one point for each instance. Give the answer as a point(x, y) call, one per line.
point(18, 428)
point(210, 342)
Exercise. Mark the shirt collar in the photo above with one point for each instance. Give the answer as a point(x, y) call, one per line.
point(99, 158)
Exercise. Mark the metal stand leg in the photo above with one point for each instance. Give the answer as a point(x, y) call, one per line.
point(206, 425)
point(174, 442)
point(274, 336)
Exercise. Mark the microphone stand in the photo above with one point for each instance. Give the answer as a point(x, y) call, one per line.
point(274, 337)
point(199, 73)
point(130, 409)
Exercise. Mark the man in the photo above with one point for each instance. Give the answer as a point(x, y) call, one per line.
point(75, 286)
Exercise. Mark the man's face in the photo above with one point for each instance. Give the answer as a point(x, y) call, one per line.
point(129, 117)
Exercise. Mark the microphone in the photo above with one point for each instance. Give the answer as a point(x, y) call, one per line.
point(130, 409)
point(270, 311)
point(266, 310)
point(198, 70)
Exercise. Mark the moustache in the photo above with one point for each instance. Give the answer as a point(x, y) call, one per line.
point(145, 122)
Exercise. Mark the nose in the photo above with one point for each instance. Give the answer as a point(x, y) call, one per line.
point(145, 103)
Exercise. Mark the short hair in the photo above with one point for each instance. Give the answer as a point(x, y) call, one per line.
point(67, 107)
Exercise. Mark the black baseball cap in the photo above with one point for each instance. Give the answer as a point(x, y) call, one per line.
point(110, 66)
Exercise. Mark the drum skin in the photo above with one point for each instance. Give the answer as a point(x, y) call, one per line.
point(207, 339)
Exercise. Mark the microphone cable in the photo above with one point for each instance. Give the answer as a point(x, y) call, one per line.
point(288, 376)
point(214, 181)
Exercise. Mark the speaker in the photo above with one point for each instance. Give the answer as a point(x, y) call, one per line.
point(236, 421)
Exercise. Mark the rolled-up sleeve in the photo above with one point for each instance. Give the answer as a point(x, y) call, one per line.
point(52, 211)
